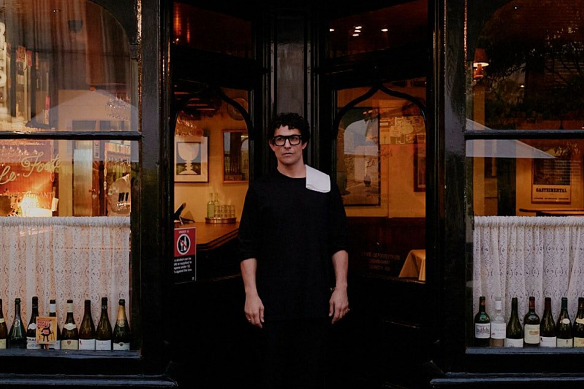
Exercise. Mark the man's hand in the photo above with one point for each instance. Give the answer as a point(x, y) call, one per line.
point(338, 304)
point(254, 310)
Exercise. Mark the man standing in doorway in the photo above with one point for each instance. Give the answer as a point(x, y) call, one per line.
point(293, 240)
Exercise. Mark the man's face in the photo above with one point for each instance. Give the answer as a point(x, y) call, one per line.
point(287, 154)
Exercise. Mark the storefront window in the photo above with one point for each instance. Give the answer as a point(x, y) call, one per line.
point(66, 75)
point(525, 138)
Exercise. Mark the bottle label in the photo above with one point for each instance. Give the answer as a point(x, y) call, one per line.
point(566, 320)
point(482, 330)
point(513, 342)
point(1, 320)
point(578, 342)
point(580, 320)
point(69, 326)
point(564, 342)
point(86, 344)
point(2, 343)
point(103, 345)
point(31, 343)
point(498, 330)
point(56, 346)
point(121, 323)
point(122, 346)
point(531, 333)
point(32, 326)
point(548, 341)
point(69, 344)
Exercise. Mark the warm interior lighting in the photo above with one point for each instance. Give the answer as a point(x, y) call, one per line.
point(384, 29)
point(479, 64)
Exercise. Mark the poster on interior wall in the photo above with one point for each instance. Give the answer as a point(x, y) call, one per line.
point(191, 159)
point(358, 169)
point(552, 179)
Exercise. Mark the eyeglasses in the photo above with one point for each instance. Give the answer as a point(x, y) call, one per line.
point(280, 140)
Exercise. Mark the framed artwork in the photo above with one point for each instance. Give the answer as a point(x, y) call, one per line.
point(191, 159)
point(551, 181)
point(358, 175)
point(235, 156)
point(420, 163)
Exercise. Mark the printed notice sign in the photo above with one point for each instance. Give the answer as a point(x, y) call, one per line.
point(185, 255)
point(46, 330)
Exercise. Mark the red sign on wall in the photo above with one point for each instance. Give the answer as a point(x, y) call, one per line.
point(184, 242)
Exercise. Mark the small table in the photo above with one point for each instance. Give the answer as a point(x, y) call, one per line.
point(415, 265)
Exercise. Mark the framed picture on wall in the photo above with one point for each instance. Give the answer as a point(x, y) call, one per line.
point(191, 159)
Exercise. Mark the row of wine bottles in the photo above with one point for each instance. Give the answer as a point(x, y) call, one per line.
point(45, 333)
point(534, 332)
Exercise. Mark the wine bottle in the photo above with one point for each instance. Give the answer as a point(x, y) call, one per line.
point(3, 328)
point(531, 326)
point(547, 328)
point(87, 329)
point(514, 333)
point(122, 335)
point(17, 335)
point(53, 313)
point(70, 334)
point(564, 327)
point(31, 342)
point(498, 327)
point(578, 328)
point(210, 207)
point(482, 324)
point(103, 333)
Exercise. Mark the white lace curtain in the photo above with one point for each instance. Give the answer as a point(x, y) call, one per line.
point(64, 258)
point(521, 256)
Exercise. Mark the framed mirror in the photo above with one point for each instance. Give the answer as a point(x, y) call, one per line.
point(235, 156)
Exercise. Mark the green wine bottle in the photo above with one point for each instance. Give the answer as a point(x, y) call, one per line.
point(531, 322)
point(482, 325)
point(514, 333)
point(564, 327)
point(122, 336)
point(3, 329)
point(87, 329)
point(578, 328)
point(103, 333)
point(17, 335)
point(547, 328)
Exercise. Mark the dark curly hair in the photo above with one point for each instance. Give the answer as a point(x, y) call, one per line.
point(292, 120)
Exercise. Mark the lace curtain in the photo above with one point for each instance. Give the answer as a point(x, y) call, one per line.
point(64, 258)
point(521, 256)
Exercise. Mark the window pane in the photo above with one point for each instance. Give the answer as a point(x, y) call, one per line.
point(69, 237)
point(64, 61)
point(525, 65)
point(381, 147)
point(65, 204)
point(207, 30)
point(398, 26)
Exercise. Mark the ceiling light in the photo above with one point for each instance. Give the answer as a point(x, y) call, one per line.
point(384, 29)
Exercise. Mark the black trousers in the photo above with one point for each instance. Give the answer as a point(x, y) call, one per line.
point(295, 353)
